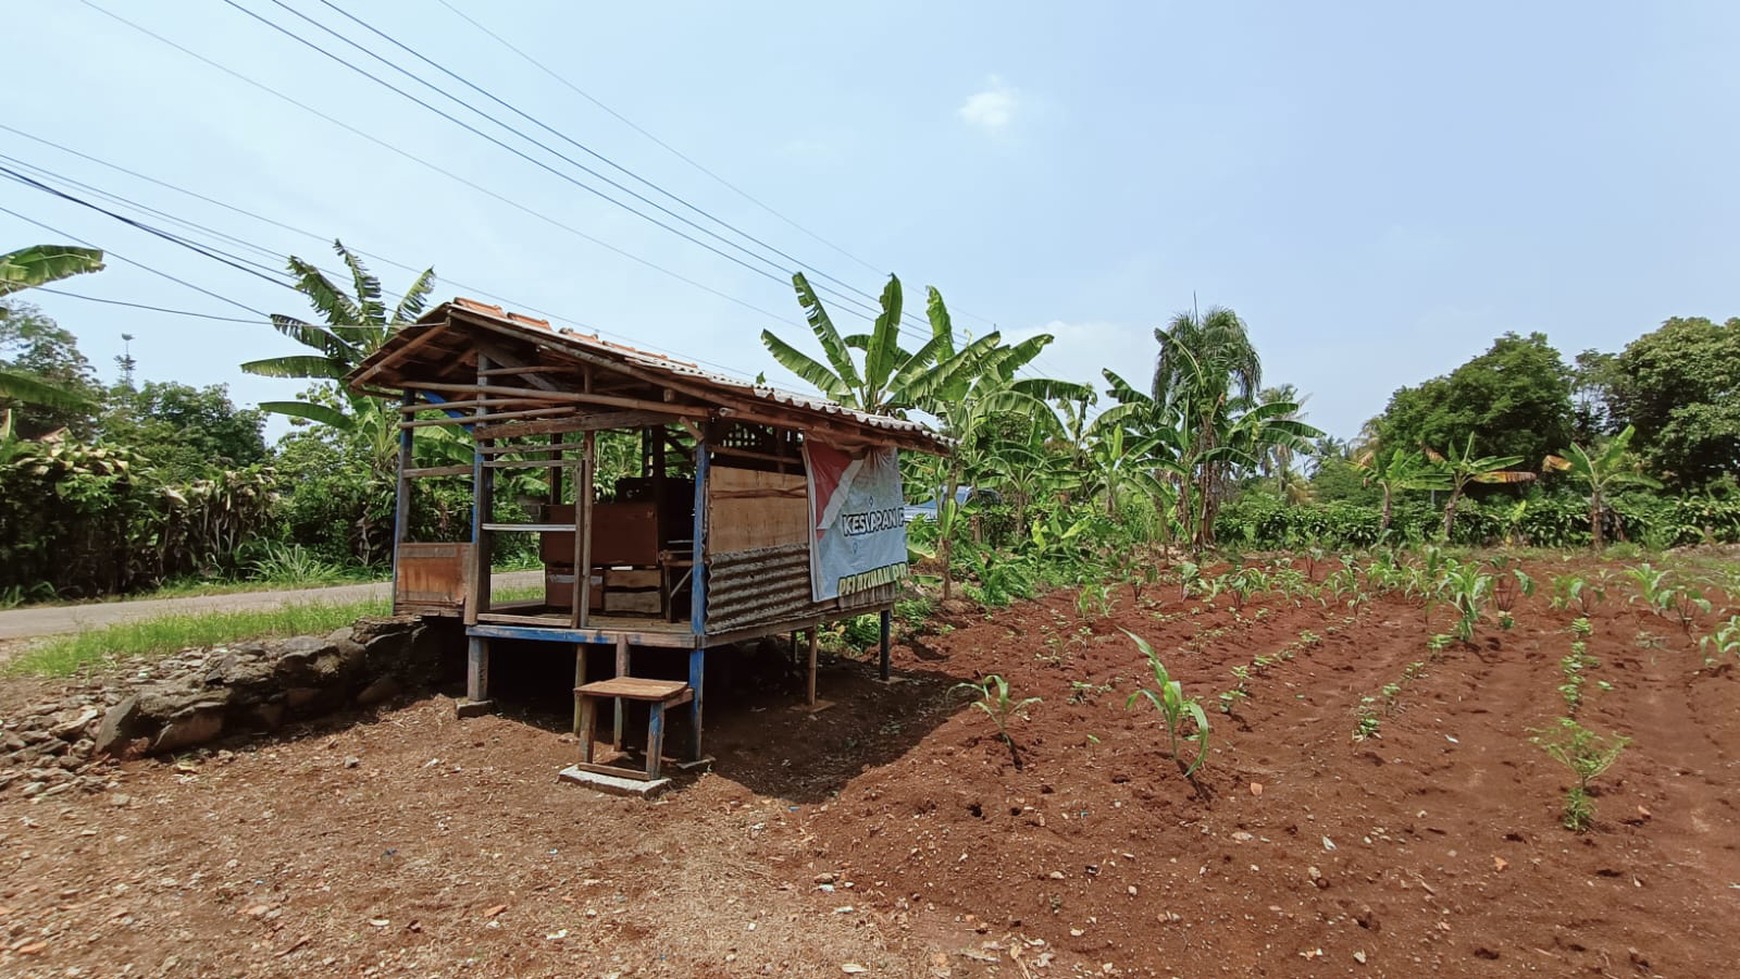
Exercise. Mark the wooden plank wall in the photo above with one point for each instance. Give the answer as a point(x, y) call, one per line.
point(748, 509)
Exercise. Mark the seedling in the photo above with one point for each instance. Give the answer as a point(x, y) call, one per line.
point(1368, 723)
point(1725, 641)
point(1174, 709)
point(1587, 755)
point(1652, 587)
point(1686, 606)
point(995, 701)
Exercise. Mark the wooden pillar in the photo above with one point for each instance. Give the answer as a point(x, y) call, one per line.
point(815, 636)
point(579, 681)
point(621, 670)
point(697, 679)
point(698, 573)
point(482, 512)
point(583, 535)
point(882, 666)
point(555, 471)
point(402, 498)
point(477, 670)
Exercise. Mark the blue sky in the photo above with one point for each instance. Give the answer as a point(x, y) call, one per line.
point(1379, 189)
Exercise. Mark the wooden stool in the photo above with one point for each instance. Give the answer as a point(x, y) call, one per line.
point(658, 694)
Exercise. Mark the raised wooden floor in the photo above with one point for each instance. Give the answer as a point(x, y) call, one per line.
point(555, 626)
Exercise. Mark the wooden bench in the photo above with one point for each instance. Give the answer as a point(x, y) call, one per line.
point(658, 695)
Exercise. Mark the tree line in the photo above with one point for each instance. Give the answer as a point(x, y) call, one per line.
point(118, 486)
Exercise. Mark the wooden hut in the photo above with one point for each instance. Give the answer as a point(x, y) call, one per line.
point(744, 511)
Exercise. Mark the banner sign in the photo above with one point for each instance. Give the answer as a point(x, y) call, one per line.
point(857, 518)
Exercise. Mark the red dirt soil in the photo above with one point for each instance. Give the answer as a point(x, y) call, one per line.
point(893, 831)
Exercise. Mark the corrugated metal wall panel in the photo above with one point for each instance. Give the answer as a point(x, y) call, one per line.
point(771, 585)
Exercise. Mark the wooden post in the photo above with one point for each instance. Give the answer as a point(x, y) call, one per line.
point(555, 471)
point(482, 512)
point(583, 535)
point(579, 681)
point(477, 670)
point(621, 670)
point(882, 666)
point(587, 708)
point(698, 573)
point(402, 499)
point(655, 738)
point(815, 635)
point(697, 678)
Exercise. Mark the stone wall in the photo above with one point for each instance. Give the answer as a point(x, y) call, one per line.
point(185, 701)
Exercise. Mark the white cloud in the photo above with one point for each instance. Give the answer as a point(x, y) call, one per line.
point(993, 109)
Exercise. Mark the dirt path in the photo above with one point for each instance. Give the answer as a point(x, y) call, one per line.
point(28, 623)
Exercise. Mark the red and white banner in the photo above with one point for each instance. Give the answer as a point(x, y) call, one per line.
point(856, 516)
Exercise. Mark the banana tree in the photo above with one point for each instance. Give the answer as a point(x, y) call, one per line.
point(1605, 469)
point(891, 378)
point(356, 324)
point(22, 269)
point(1463, 468)
point(1395, 473)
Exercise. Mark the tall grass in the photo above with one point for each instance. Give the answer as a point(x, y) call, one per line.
point(66, 655)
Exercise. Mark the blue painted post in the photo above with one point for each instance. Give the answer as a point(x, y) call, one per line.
point(882, 667)
point(698, 574)
point(697, 674)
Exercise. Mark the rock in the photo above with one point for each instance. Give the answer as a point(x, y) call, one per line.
point(120, 725)
point(352, 761)
point(70, 728)
point(194, 725)
point(267, 715)
point(383, 689)
point(34, 788)
point(297, 698)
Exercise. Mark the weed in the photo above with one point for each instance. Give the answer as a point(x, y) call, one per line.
point(1646, 639)
point(1587, 755)
point(13, 596)
point(290, 564)
point(1081, 693)
point(995, 701)
point(1174, 708)
point(1093, 601)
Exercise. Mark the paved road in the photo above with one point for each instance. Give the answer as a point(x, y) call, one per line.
point(28, 623)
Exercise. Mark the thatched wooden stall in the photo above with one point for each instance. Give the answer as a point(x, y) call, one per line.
point(711, 543)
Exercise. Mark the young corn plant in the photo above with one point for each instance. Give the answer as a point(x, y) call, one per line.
point(994, 700)
point(1653, 588)
point(1724, 642)
point(1687, 606)
point(1588, 756)
point(1467, 590)
point(1175, 710)
point(1509, 584)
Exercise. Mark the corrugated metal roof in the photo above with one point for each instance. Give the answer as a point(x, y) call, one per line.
point(539, 329)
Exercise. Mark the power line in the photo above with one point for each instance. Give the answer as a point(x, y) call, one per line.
point(565, 138)
point(146, 306)
point(107, 254)
point(528, 210)
point(170, 237)
point(679, 154)
point(511, 149)
point(866, 308)
point(468, 289)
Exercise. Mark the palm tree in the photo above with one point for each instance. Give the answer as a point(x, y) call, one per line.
point(356, 324)
point(1605, 469)
point(1396, 472)
point(1277, 461)
point(1205, 361)
point(1463, 467)
point(23, 269)
point(891, 379)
